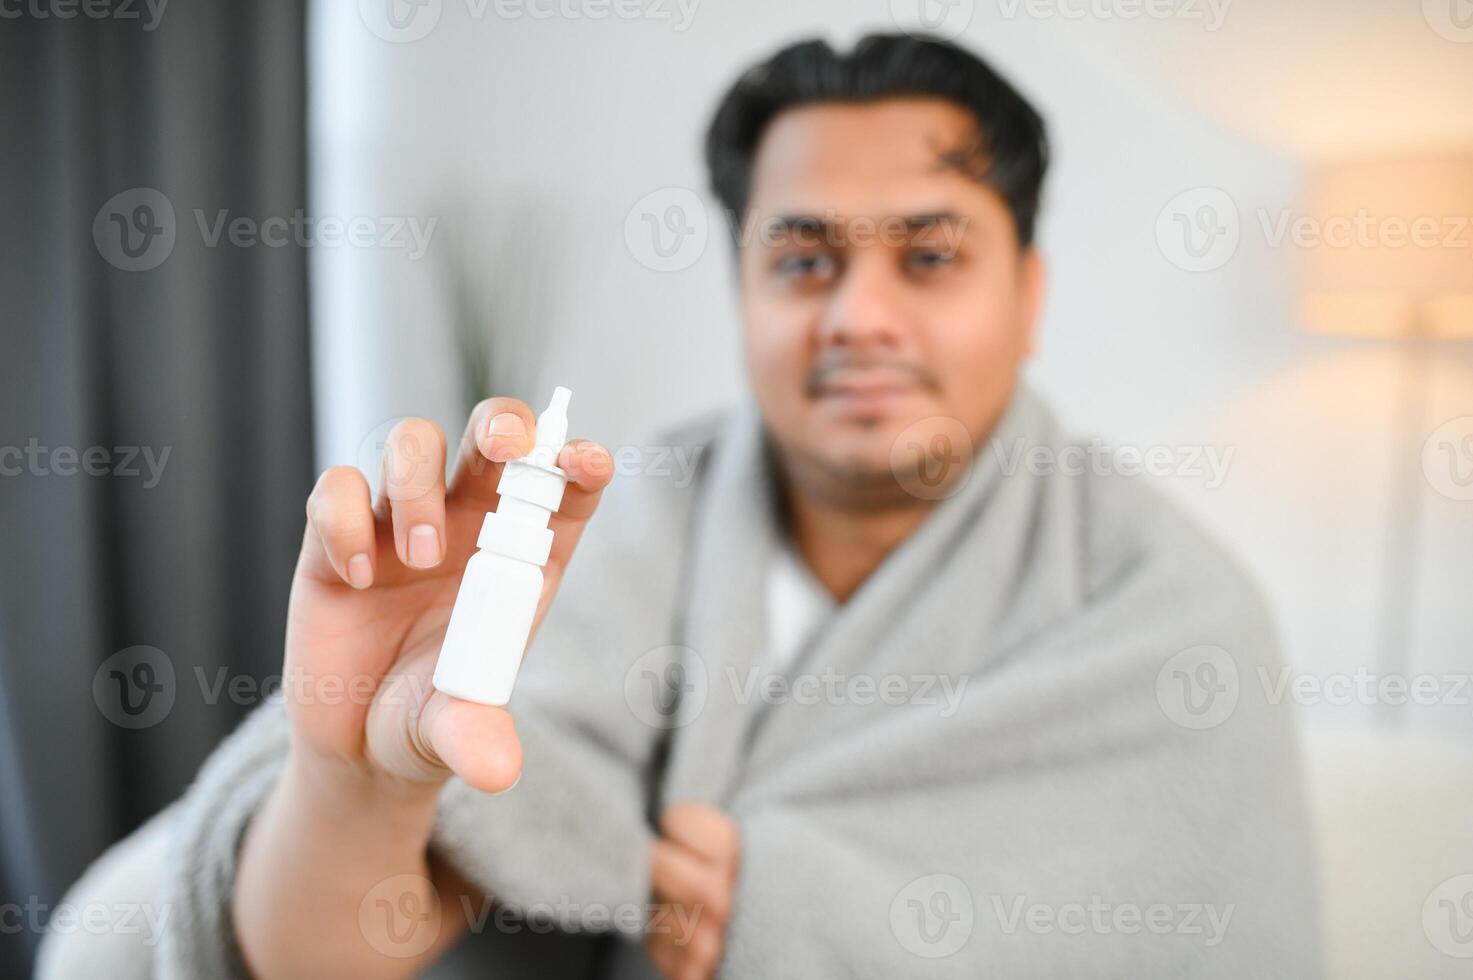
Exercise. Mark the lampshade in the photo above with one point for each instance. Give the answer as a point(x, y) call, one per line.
point(1386, 247)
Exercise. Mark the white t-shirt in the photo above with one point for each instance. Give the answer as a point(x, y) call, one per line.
point(797, 603)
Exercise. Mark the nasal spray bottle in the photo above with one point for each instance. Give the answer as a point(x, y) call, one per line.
point(498, 596)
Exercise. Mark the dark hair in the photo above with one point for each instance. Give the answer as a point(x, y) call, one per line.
point(1009, 153)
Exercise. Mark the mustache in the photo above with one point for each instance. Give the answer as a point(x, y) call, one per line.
point(823, 372)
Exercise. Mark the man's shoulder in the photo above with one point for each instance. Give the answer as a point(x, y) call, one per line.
point(1129, 536)
point(1133, 533)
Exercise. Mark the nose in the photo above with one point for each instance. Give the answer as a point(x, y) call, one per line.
point(864, 310)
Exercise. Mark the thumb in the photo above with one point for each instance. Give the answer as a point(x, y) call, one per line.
point(477, 742)
point(424, 735)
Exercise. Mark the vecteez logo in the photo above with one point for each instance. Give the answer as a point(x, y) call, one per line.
point(400, 21)
point(1198, 230)
point(149, 13)
point(946, 19)
point(1197, 688)
point(667, 229)
point(932, 917)
point(135, 687)
point(1451, 20)
point(666, 687)
point(135, 229)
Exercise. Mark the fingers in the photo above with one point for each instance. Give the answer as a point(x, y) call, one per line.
point(590, 467)
point(706, 831)
point(693, 876)
point(412, 491)
point(499, 429)
point(502, 429)
point(339, 540)
point(687, 936)
point(682, 876)
point(685, 943)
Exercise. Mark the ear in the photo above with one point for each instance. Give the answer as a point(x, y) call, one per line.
point(1032, 278)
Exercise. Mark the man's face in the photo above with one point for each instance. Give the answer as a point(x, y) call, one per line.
point(884, 293)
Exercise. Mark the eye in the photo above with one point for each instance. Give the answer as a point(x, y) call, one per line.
point(928, 260)
point(807, 266)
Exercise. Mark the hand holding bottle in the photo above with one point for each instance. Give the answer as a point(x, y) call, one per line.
point(375, 586)
point(372, 740)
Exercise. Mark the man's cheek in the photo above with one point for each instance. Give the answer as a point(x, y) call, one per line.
point(782, 374)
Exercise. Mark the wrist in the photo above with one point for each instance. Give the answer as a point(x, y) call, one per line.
point(328, 839)
point(339, 792)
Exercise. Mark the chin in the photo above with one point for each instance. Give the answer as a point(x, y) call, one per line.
point(852, 461)
point(860, 438)
point(913, 453)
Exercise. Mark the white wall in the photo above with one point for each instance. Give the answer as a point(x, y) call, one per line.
point(536, 136)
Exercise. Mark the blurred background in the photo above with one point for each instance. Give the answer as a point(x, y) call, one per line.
point(241, 240)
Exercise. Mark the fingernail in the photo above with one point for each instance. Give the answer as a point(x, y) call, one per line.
point(600, 462)
point(424, 546)
point(509, 788)
point(506, 432)
point(360, 572)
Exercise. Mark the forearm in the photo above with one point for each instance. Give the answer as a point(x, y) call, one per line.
point(334, 879)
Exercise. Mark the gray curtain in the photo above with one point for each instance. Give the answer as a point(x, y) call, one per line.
point(154, 411)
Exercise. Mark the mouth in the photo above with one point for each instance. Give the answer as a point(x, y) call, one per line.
point(866, 391)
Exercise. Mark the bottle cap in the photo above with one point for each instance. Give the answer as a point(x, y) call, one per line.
point(552, 430)
point(531, 489)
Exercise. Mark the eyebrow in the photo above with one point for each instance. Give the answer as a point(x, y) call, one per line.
point(933, 218)
point(789, 223)
point(808, 223)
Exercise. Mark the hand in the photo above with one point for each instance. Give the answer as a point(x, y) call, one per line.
point(374, 587)
point(694, 870)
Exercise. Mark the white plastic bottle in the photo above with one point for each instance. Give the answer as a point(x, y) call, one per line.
point(502, 585)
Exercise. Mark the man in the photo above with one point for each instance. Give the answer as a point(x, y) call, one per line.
point(868, 698)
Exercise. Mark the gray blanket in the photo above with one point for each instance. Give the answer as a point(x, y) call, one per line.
point(1020, 749)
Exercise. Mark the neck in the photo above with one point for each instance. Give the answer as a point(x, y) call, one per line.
point(843, 545)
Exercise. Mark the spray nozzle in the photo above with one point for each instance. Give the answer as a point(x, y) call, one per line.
point(552, 425)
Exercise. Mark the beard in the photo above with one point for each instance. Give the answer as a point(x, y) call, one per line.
point(860, 480)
